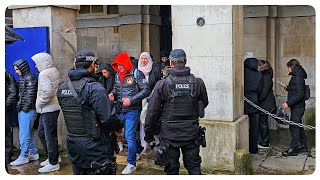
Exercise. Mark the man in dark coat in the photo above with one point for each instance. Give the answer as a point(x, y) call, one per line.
point(296, 102)
point(266, 101)
point(87, 114)
point(164, 61)
point(27, 114)
point(11, 100)
point(252, 80)
point(172, 113)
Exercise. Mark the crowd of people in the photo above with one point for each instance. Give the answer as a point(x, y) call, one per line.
point(136, 102)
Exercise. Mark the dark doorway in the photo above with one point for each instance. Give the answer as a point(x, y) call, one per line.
point(165, 28)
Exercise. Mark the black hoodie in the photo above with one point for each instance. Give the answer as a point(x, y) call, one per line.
point(252, 83)
point(27, 87)
point(296, 88)
point(107, 83)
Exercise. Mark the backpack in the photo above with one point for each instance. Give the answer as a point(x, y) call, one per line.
point(307, 92)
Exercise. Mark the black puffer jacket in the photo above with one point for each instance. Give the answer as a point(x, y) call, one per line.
point(11, 91)
point(134, 88)
point(252, 80)
point(107, 83)
point(266, 96)
point(27, 87)
point(296, 88)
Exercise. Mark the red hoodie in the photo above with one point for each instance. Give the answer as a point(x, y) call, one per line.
point(124, 60)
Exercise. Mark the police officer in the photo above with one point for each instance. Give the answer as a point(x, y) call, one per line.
point(172, 113)
point(87, 113)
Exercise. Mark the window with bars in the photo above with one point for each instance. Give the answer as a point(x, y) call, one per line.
point(98, 9)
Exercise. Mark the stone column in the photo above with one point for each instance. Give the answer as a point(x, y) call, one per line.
point(139, 30)
point(61, 21)
point(215, 53)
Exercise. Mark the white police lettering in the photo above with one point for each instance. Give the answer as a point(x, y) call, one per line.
point(182, 86)
point(66, 92)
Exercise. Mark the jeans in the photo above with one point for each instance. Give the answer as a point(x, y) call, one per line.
point(130, 127)
point(47, 132)
point(27, 141)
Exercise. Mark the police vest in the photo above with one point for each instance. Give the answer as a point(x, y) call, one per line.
point(78, 117)
point(181, 103)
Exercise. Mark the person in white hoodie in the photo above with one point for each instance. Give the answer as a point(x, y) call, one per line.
point(48, 107)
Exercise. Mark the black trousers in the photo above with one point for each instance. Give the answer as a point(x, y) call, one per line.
point(253, 133)
point(263, 130)
point(8, 138)
point(47, 132)
point(191, 159)
point(297, 133)
point(89, 171)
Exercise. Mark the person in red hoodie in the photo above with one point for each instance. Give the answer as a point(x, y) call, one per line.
point(130, 88)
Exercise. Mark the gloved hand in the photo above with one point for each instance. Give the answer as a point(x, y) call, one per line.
point(149, 138)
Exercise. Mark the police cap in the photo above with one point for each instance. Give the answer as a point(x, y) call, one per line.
point(177, 55)
point(85, 55)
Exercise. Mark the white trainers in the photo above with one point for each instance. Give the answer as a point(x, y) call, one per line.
point(262, 147)
point(20, 161)
point(129, 169)
point(49, 168)
point(46, 162)
point(33, 157)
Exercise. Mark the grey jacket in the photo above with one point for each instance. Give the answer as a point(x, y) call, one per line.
point(48, 81)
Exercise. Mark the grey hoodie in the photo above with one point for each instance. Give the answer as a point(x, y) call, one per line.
point(48, 81)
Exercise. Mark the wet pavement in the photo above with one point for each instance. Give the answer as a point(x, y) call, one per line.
point(265, 162)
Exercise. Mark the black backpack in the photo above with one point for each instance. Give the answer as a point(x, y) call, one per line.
point(307, 92)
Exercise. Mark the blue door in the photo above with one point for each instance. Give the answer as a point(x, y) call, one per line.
point(36, 39)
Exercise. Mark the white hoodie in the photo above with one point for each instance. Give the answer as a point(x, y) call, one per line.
point(48, 81)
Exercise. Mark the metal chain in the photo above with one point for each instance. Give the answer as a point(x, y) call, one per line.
point(276, 117)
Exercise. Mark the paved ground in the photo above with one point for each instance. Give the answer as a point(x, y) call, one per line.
point(267, 161)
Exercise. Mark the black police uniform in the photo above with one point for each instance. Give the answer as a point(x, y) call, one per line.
point(89, 145)
point(172, 113)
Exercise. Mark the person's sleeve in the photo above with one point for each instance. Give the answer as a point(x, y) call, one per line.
point(31, 91)
point(266, 84)
point(203, 95)
point(152, 121)
point(12, 96)
point(144, 89)
point(47, 92)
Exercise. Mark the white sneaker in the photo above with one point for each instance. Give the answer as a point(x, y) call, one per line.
point(120, 144)
point(49, 168)
point(46, 162)
point(262, 147)
point(33, 157)
point(20, 161)
point(129, 169)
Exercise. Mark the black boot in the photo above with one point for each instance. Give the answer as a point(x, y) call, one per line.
point(292, 151)
point(303, 148)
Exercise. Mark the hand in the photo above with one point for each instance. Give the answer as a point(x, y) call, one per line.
point(285, 106)
point(284, 87)
point(126, 101)
point(111, 97)
point(149, 138)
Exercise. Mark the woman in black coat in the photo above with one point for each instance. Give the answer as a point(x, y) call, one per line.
point(296, 102)
point(252, 78)
point(266, 102)
point(106, 77)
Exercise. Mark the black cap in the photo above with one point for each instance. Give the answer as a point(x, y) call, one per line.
point(85, 55)
point(164, 53)
point(177, 55)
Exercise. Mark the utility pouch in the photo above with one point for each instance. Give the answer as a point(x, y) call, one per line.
point(96, 130)
point(200, 109)
point(202, 136)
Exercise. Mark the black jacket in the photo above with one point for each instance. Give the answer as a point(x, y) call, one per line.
point(252, 79)
point(84, 150)
point(171, 131)
point(11, 91)
point(154, 76)
point(107, 83)
point(134, 88)
point(266, 97)
point(27, 87)
point(296, 88)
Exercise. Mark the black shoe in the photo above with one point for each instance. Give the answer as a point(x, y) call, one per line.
point(303, 148)
point(290, 152)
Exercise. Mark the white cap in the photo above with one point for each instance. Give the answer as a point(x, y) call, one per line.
point(248, 55)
